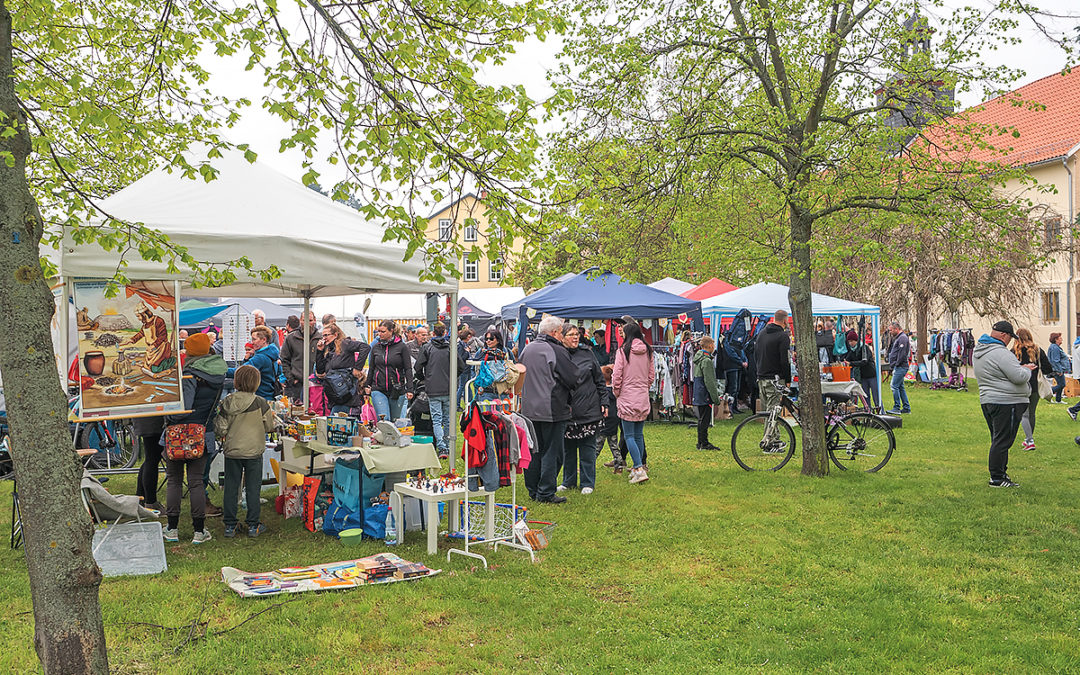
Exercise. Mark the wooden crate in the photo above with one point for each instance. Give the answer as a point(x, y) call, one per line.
point(1072, 387)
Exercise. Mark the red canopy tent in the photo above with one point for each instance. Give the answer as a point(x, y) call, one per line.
point(709, 289)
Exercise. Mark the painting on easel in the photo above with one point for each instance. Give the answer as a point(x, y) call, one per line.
point(129, 357)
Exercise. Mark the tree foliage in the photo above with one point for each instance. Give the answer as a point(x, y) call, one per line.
point(793, 98)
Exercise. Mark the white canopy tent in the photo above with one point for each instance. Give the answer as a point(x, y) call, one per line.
point(321, 247)
point(672, 285)
point(766, 298)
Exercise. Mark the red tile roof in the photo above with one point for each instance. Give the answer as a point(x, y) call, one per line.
point(1047, 121)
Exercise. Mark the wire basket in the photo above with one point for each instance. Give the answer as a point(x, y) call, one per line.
point(504, 521)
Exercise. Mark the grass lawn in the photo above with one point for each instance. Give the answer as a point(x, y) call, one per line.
point(705, 568)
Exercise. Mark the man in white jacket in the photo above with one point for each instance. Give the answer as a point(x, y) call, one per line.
point(1004, 388)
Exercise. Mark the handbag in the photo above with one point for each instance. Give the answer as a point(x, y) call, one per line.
point(339, 385)
point(1046, 390)
point(184, 442)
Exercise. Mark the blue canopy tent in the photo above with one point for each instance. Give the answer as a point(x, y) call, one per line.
point(592, 295)
point(766, 298)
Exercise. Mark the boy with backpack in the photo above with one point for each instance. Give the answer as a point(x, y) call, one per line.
point(241, 427)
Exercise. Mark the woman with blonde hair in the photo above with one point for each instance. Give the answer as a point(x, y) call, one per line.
point(1028, 352)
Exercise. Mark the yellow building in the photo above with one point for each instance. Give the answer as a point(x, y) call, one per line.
point(465, 220)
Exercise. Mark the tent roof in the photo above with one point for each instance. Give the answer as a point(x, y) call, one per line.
point(672, 285)
point(465, 307)
point(602, 297)
point(710, 289)
point(322, 248)
point(766, 298)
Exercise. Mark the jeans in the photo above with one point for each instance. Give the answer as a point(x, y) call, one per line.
point(440, 422)
point(146, 485)
point(543, 470)
point(585, 448)
point(732, 377)
point(704, 413)
point(1059, 385)
point(635, 439)
point(1003, 419)
point(388, 408)
point(899, 394)
point(196, 492)
point(624, 450)
point(252, 473)
point(869, 387)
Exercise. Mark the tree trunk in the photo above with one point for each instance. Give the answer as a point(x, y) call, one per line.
point(922, 315)
point(811, 412)
point(64, 579)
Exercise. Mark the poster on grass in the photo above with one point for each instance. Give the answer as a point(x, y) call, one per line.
point(128, 349)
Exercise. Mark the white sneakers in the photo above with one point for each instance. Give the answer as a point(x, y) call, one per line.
point(201, 537)
point(586, 491)
point(561, 488)
point(638, 475)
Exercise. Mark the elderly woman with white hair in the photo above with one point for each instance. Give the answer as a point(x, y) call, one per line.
point(550, 377)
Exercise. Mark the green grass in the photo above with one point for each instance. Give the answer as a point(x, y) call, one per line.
point(705, 568)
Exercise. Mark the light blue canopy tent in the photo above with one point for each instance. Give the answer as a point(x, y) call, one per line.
point(766, 298)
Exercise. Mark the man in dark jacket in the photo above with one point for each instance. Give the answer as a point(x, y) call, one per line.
point(599, 347)
point(292, 357)
point(772, 360)
point(433, 369)
point(550, 376)
point(899, 354)
point(863, 368)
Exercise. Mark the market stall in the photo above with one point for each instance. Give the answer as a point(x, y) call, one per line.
point(672, 285)
point(766, 298)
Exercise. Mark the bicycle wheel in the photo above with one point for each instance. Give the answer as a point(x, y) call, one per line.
point(754, 452)
point(860, 441)
point(115, 445)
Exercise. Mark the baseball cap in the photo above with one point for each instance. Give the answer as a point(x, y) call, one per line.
point(1004, 327)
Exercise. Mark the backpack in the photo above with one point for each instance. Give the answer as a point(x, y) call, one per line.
point(739, 331)
point(279, 375)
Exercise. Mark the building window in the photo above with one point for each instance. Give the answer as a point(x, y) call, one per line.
point(495, 270)
point(1051, 310)
point(470, 232)
point(446, 230)
point(472, 270)
point(1052, 231)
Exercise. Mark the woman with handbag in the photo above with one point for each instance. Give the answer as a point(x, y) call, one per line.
point(338, 364)
point(184, 436)
point(1028, 352)
point(494, 360)
point(389, 373)
point(588, 404)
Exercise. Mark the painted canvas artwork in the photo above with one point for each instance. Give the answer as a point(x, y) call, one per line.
point(128, 350)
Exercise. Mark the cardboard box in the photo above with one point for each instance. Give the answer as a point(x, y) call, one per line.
point(1072, 387)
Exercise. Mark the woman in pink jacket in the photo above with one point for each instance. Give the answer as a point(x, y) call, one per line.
point(630, 381)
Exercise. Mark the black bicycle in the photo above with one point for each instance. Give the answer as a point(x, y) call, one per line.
point(766, 441)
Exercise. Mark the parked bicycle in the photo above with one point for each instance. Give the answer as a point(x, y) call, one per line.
point(766, 441)
point(115, 441)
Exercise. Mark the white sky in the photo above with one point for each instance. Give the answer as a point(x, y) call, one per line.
point(530, 65)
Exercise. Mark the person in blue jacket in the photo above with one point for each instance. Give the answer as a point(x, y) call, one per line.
point(1060, 363)
point(265, 359)
point(733, 360)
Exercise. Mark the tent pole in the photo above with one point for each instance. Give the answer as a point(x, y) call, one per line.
point(65, 339)
point(454, 374)
point(306, 327)
point(877, 356)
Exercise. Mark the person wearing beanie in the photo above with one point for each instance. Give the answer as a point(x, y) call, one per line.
point(861, 359)
point(200, 395)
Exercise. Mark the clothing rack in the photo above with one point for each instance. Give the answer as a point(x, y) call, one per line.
point(505, 405)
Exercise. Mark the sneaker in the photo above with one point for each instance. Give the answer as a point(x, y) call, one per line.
point(906, 412)
point(213, 511)
point(201, 537)
point(1004, 483)
point(170, 534)
point(586, 491)
point(1029, 445)
point(256, 530)
point(156, 506)
point(444, 455)
point(554, 500)
point(894, 411)
point(230, 531)
point(619, 468)
point(708, 446)
point(775, 448)
point(561, 488)
point(611, 464)
point(638, 475)
point(1072, 413)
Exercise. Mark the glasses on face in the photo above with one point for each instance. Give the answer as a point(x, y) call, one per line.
point(491, 339)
